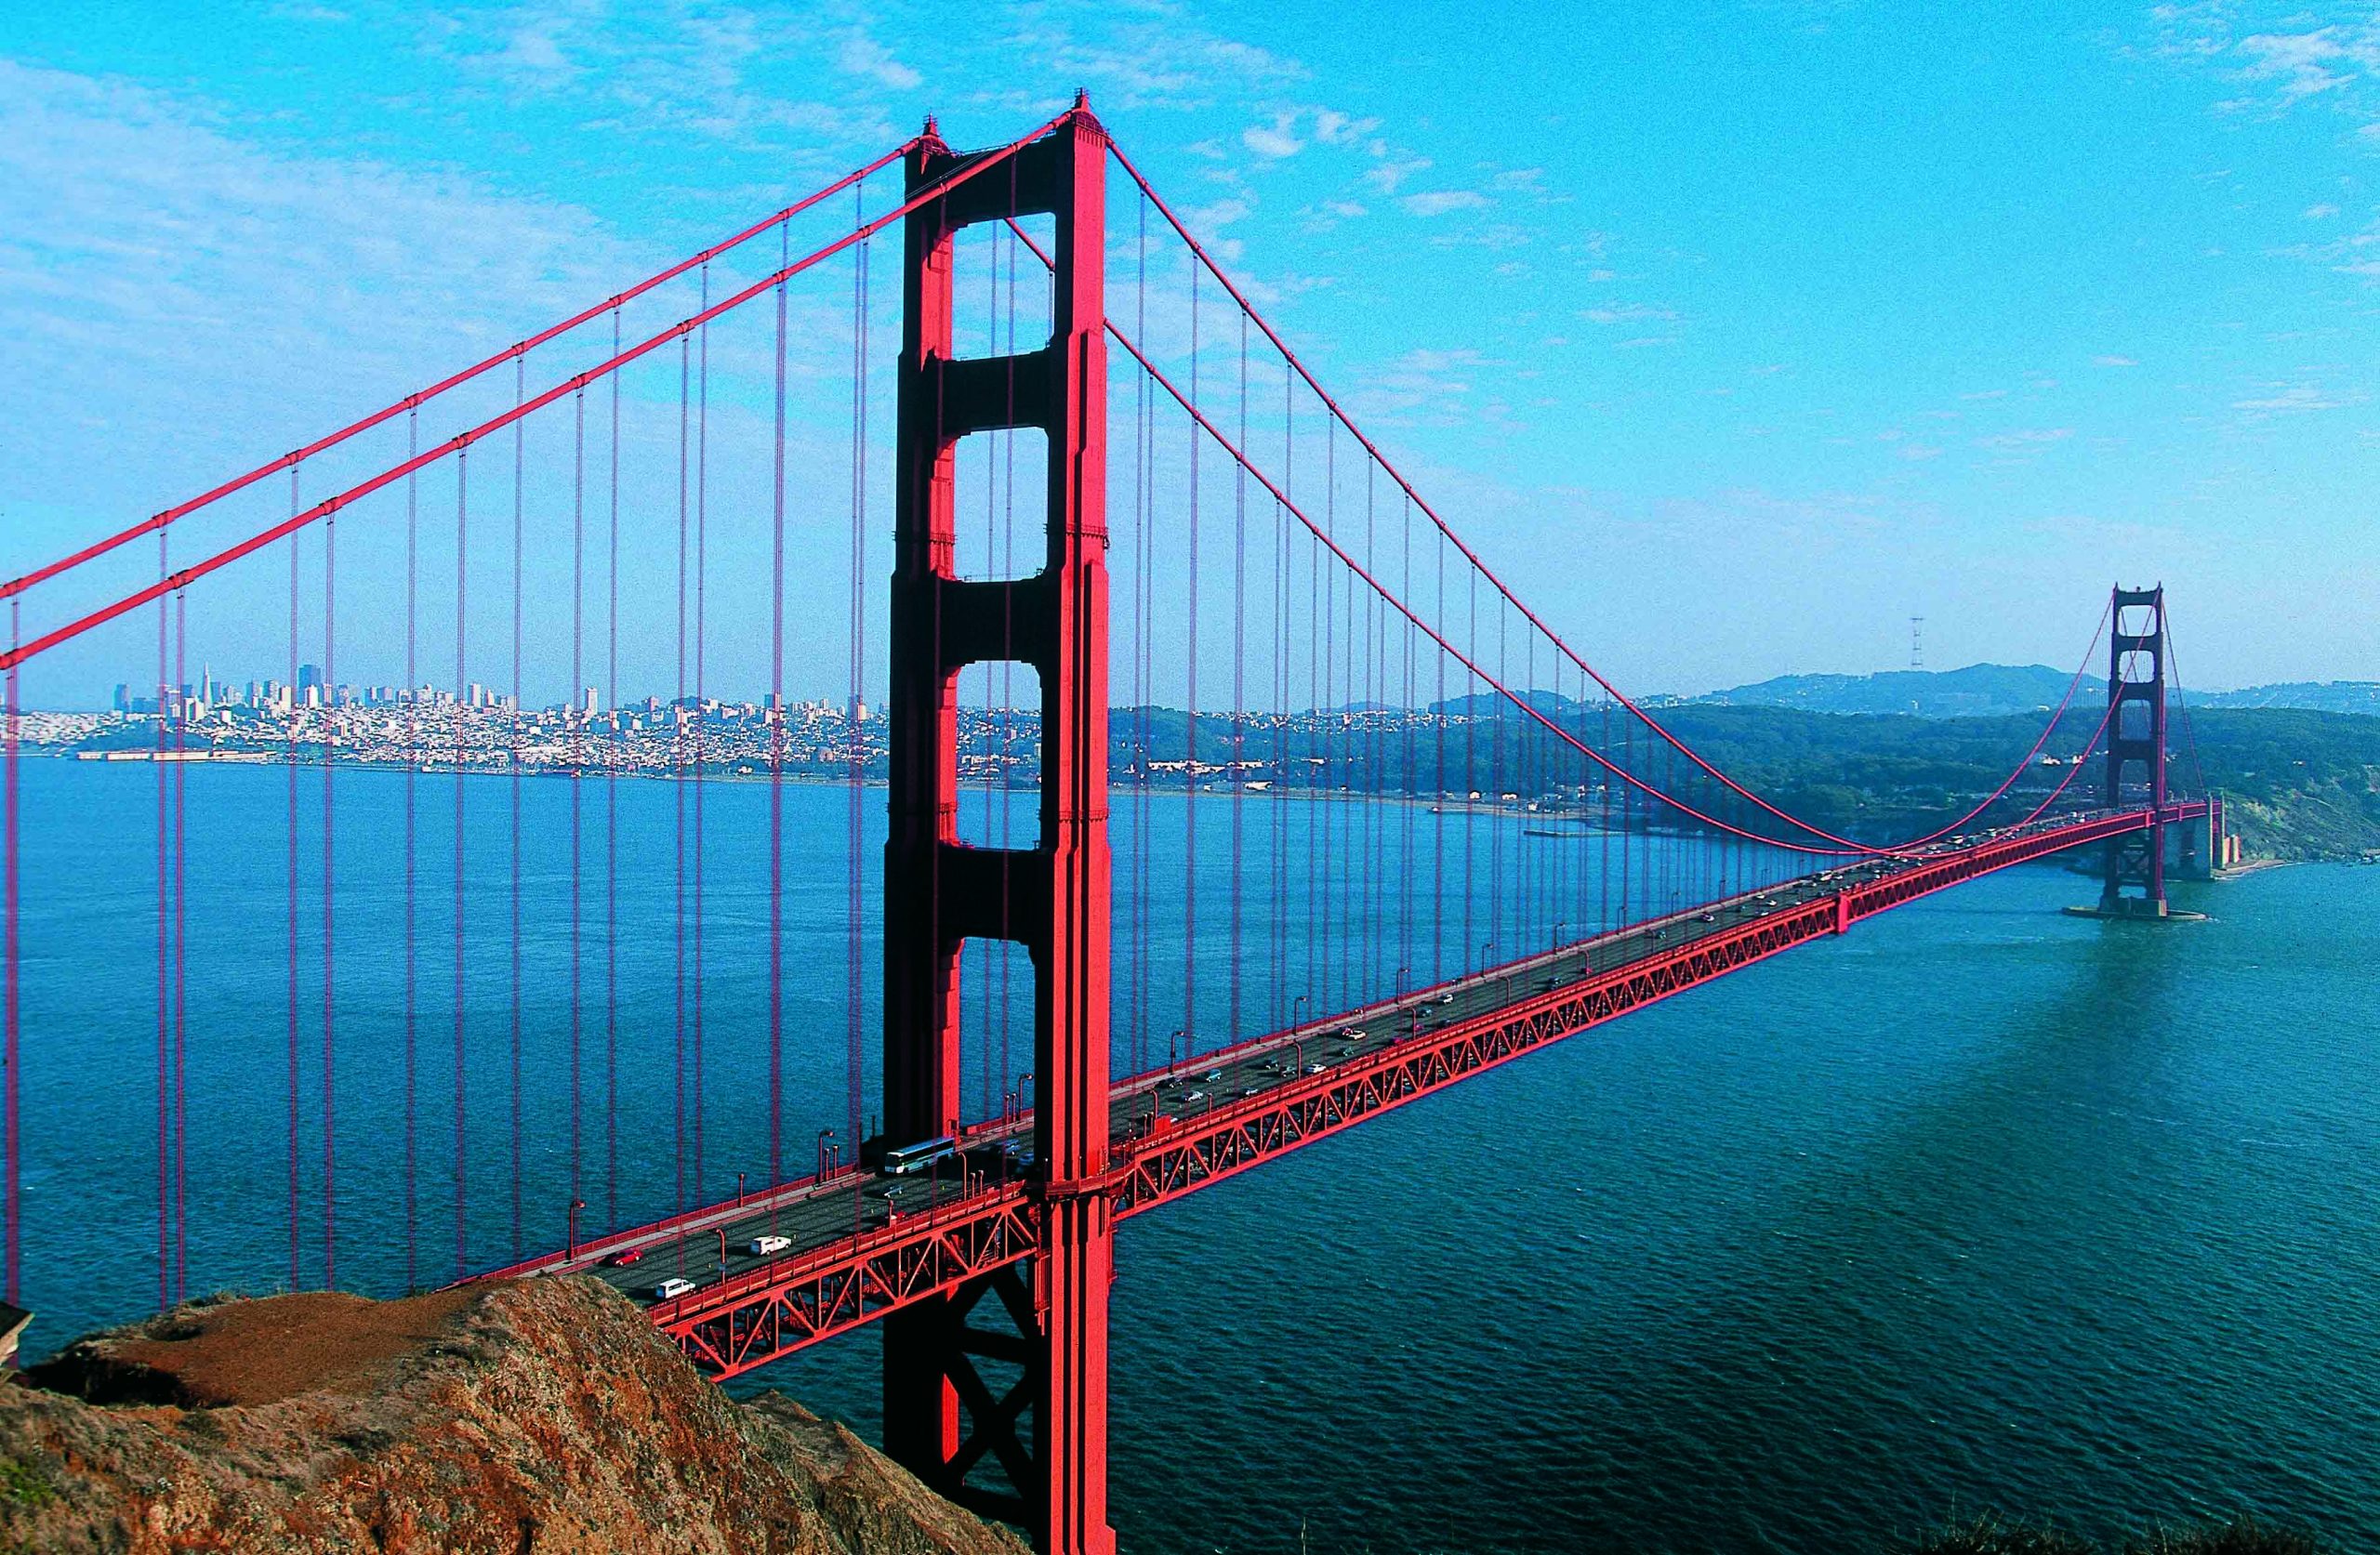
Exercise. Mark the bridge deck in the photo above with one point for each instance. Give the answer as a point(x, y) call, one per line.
point(861, 1245)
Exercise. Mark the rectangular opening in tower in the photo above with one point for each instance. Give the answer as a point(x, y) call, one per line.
point(999, 754)
point(1001, 503)
point(1000, 290)
point(995, 1038)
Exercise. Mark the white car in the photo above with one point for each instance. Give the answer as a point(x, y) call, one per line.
point(769, 1247)
point(672, 1288)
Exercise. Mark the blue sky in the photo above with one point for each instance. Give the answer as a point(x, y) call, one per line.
point(1777, 323)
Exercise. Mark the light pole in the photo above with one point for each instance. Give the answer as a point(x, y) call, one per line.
point(1294, 1021)
point(722, 1250)
point(1170, 1044)
point(825, 1135)
point(570, 1255)
point(739, 1190)
point(1401, 972)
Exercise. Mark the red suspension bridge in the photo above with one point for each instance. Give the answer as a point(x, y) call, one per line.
point(1382, 827)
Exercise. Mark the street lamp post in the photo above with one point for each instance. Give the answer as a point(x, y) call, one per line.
point(722, 1250)
point(571, 1254)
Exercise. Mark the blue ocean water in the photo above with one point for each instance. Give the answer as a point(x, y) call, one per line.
point(1977, 1206)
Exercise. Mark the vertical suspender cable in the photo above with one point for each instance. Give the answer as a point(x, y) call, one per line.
point(702, 747)
point(678, 795)
point(1277, 648)
point(512, 743)
point(986, 1007)
point(1374, 942)
point(1137, 935)
point(1008, 609)
point(11, 954)
point(1190, 728)
point(1405, 782)
point(330, 897)
point(1375, 785)
point(1495, 828)
point(776, 761)
point(291, 869)
point(409, 700)
point(855, 740)
point(1603, 833)
point(1237, 749)
point(611, 825)
point(1328, 812)
point(462, 716)
point(1469, 771)
point(1438, 810)
point(1318, 785)
point(181, 962)
point(576, 715)
point(164, 950)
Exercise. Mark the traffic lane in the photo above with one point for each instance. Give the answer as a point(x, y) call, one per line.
point(828, 1215)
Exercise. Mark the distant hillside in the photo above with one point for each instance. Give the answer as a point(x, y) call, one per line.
point(2317, 696)
point(1978, 691)
point(1997, 691)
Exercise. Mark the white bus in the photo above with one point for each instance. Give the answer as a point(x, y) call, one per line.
point(905, 1159)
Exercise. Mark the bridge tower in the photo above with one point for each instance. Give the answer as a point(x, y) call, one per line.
point(942, 1419)
point(2133, 882)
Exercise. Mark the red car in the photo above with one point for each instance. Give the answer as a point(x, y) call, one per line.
point(622, 1260)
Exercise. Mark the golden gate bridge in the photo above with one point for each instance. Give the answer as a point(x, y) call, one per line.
point(1305, 660)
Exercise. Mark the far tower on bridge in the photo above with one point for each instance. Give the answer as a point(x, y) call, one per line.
point(2133, 882)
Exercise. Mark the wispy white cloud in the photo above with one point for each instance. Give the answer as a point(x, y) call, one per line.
point(1272, 141)
point(1440, 201)
point(1627, 314)
point(1391, 172)
point(863, 56)
point(2291, 400)
point(2302, 65)
point(2025, 437)
point(2113, 361)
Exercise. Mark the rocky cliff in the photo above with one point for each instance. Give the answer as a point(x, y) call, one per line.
point(526, 1418)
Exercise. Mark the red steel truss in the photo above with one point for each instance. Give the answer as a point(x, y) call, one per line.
point(763, 1316)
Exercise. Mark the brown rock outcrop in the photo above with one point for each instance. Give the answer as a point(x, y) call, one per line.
point(542, 1417)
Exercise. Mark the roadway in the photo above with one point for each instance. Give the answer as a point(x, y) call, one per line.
point(815, 1213)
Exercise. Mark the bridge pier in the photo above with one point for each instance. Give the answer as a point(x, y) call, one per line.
point(941, 1418)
